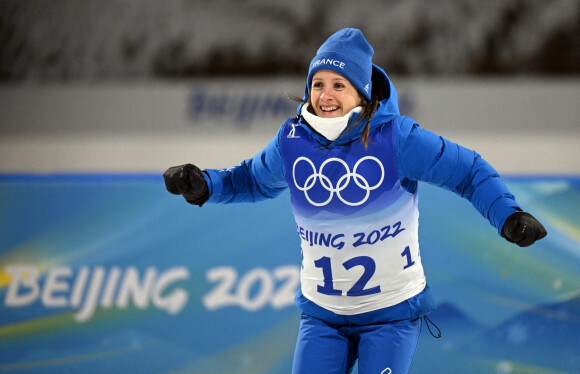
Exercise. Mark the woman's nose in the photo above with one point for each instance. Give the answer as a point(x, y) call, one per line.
point(326, 94)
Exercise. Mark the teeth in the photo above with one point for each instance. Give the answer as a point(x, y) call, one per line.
point(329, 109)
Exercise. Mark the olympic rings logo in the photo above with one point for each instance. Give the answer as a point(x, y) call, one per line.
point(342, 183)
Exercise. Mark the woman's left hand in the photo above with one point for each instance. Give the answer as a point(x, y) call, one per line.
point(523, 229)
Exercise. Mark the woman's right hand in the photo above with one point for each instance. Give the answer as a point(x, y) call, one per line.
point(187, 180)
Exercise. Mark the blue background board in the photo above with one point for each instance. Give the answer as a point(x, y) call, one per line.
point(110, 273)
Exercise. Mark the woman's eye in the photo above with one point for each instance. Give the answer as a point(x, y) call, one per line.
point(317, 85)
point(338, 85)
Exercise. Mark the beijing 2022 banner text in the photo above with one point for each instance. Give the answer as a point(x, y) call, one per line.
point(112, 274)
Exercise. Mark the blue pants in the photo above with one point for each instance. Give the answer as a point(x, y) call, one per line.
point(384, 348)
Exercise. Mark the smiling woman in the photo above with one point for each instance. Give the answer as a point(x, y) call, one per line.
point(352, 164)
point(332, 95)
point(331, 104)
point(341, 79)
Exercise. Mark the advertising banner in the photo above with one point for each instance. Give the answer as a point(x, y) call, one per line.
point(112, 274)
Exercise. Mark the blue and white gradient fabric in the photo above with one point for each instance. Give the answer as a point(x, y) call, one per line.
point(356, 208)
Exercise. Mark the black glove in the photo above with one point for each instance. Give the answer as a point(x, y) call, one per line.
point(187, 180)
point(522, 229)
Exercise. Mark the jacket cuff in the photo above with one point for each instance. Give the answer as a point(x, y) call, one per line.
point(214, 184)
point(502, 208)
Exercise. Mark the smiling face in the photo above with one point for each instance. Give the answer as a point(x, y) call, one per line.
point(332, 95)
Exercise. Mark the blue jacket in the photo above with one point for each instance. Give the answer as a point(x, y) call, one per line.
point(420, 156)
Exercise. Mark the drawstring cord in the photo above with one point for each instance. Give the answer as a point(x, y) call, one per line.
point(427, 322)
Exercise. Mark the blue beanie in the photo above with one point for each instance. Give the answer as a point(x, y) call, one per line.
point(349, 54)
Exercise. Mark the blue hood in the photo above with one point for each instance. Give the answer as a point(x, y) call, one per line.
point(387, 110)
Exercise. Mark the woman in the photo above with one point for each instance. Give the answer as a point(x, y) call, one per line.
point(352, 164)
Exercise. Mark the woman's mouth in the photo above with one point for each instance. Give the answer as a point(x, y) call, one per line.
point(328, 109)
